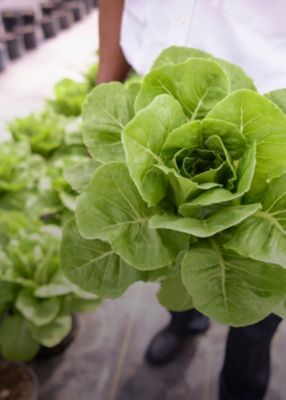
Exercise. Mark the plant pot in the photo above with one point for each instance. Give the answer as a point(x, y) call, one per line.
point(11, 19)
point(50, 27)
point(46, 353)
point(65, 18)
point(88, 5)
point(47, 8)
point(14, 45)
point(3, 59)
point(29, 37)
point(77, 8)
point(58, 4)
point(28, 17)
point(18, 382)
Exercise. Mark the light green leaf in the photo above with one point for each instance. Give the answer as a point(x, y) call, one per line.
point(280, 309)
point(39, 312)
point(68, 200)
point(112, 210)
point(53, 333)
point(198, 84)
point(73, 304)
point(53, 290)
point(238, 78)
point(178, 55)
point(143, 140)
point(182, 187)
point(232, 138)
point(186, 135)
point(16, 342)
point(173, 294)
point(106, 111)
point(93, 265)
point(69, 96)
point(216, 196)
point(229, 288)
point(258, 119)
point(278, 97)
point(263, 236)
point(80, 174)
point(8, 291)
point(218, 221)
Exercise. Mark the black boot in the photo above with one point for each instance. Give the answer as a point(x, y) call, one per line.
point(167, 343)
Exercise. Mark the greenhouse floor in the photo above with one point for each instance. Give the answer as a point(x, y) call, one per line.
point(106, 361)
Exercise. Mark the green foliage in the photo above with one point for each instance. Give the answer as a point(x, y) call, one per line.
point(191, 186)
point(44, 132)
point(69, 97)
point(18, 169)
point(36, 299)
point(90, 75)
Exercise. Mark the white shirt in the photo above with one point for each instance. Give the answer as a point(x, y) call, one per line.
point(249, 33)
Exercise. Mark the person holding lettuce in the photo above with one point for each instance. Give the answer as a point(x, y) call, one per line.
point(249, 33)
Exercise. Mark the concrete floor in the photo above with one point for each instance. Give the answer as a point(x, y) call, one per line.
point(106, 361)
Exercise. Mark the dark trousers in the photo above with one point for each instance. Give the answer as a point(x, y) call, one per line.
point(246, 370)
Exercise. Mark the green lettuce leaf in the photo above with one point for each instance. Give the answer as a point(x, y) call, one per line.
point(39, 312)
point(259, 120)
point(198, 84)
point(230, 288)
point(278, 97)
point(112, 210)
point(106, 111)
point(16, 341)
point(93, 266)
point(177, 55)
point(143, 140)
point(263, 236)
point(52, 334)
point(172, 294)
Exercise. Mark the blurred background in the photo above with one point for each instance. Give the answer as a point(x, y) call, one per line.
point(48, 56)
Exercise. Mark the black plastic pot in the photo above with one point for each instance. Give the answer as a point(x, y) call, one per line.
point(77, 8)
point(46, 353)
point(65, 18)
point(58, 4)
point(17, 382)
point(29, 37)
point(14, 45)
point(47, 8)
point(89, 5)
point(50, 26)
point(11, 19)
point(28, 17)
point(2, 58)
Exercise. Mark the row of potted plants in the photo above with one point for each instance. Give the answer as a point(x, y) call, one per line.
point(23, 29)
point(35, 200)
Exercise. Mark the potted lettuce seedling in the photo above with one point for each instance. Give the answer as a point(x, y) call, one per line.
point(69, 97)
point(190, 187)
point(36, 299)
point(55, 199)
point(19, 169)
point(44, 132)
